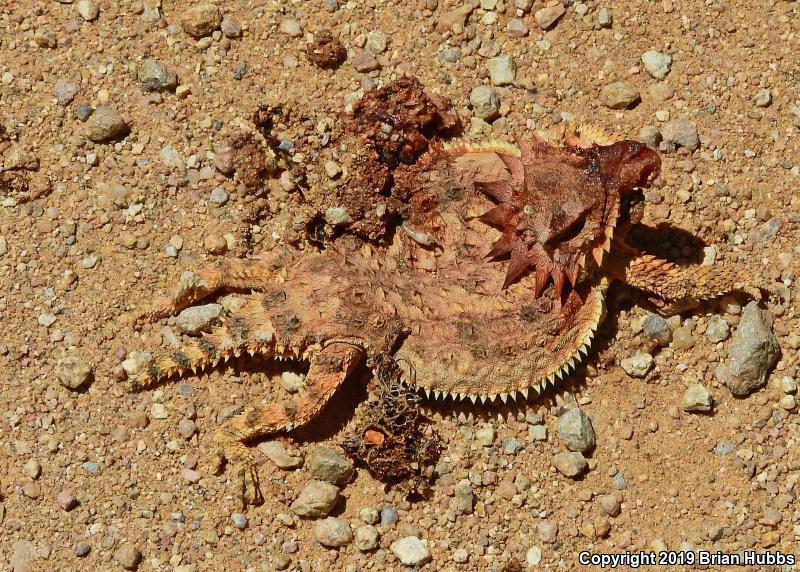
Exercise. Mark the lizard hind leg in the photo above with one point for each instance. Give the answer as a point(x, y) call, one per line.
point(328, 370)
point(681, 287)
point(245, 330)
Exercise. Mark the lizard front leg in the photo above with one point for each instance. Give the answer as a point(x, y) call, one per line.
point(329, 368)
point(229, 272)
point(680, 287)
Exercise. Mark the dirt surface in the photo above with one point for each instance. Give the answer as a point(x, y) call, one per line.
point(101, 211)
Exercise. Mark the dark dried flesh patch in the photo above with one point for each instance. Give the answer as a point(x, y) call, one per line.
point(388, 439)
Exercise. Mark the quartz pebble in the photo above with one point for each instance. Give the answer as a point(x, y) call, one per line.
point(485, 103)
point(410, 551)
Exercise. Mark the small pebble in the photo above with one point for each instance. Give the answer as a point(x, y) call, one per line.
point(533, 556)
point(638, 365)
point(619, 95)
point(65, 91)
point(410, 551)
point(201, 20)
point(576, 431)
point(316, 499)
point(128, 556)
point(155, 75)
point(326, 464)
point(485, 103)
point(547, 17)
point(333, 532)
point(66, 500)
point(291, 28)
point(82, 549)
point(388, 515)
point(197, 319)
point(502, 70)
point(697, 398)
point(105, 124)
point(367, 538)
point(72, 372)
point(570, 464)
point(657, 63)
point(762, 98)
point(548, 532)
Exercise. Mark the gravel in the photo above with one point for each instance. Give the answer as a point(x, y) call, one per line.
point(333, 532)
point(316, 499)
point(326, 464)
point(576, 431)
point(657, 63)
point(570, 464)
point(605, 19)
point(548, 532)
point(650, 135)
point(410, 551)
point(619, 95)
point(66, 500)
point(533, 556)
point(388, 515)
point(485, 103)
point(105, 124)
point(516, 28)
point(365, 62)
point(485, 436)
point(197, 319)
point(612, 503)
point(753, 351)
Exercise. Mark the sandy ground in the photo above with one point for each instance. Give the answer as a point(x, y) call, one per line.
point(98, 478)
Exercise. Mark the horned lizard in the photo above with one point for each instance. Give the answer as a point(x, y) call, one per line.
point(473, 326)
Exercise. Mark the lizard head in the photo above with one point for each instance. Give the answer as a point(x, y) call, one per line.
point(561, 203)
